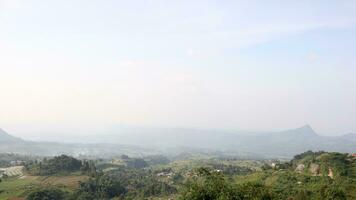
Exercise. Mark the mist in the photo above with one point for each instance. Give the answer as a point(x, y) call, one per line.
point(177, 100)
point(200, 65)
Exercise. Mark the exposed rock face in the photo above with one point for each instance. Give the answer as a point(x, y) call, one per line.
point(314, 169)
point(300, 168)
point(331, 174)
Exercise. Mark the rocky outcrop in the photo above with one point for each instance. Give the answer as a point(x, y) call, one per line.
point(314, 169)
point(331, 174)
point(300, 168)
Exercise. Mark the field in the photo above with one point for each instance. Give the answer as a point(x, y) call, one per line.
point(20, 186)
point(11, 171)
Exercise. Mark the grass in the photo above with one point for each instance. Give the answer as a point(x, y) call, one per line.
point(62, 181)
point(253, 177)
point(20, 187)
point(15, 188)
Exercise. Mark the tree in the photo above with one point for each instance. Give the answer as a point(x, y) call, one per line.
point(302, 195)
point(88, 168)
point(212, 185)
point(58, 164)
point(209, 185)
point(331, 192)
point(254, 191)
point(137, 163)
point(5, 176)
point(46, 194)
point(103, 187)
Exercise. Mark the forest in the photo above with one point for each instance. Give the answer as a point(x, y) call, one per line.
point(309, 175)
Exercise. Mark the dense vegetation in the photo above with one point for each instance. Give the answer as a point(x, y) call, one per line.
point(56, 165)
point(46, 194)
point(310, 175)
point(102, 187)
point(213, 185)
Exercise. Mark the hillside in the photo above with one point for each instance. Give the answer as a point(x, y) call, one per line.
point(174, 141)
point(309, 175)
point(11, 144)
point(5, 137)
point(275, 144)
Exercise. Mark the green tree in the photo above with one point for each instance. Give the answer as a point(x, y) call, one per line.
point(103, 187)
point(212, 185)
point(302, 195)
point(331, 192)
point(136, 163)
point(254, 191)
point(208, 185)
point(46, 194)
point(58, 164)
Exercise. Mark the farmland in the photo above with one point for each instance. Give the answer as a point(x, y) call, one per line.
point(21, 186)
point(11, 171)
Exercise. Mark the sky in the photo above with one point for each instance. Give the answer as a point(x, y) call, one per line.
point(248, 65)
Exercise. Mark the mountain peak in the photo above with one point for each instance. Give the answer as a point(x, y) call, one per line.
point(305, 131)
point(307, 127)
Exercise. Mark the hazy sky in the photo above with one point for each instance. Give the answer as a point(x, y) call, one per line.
point(258, 65)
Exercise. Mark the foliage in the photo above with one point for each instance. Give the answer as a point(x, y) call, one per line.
point(212, 185)
point(141, 183)
point(218, 179)
point(157, 160)
point(136, 163)
point(9, 159)
point(56, 165)
point(337, 162)
point(88, 168)
point(103, 187)
point(231, 169)
point(46, 194)
point(331, 192)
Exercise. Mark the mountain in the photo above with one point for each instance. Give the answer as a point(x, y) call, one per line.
point(270, 144)
point(173, 141)
point(349, 136)
point(305, 131)
point(11, 144)
point(5, 137)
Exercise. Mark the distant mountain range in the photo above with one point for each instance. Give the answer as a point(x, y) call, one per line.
point(280, 144)
point(5, 137)
point(174, 140)
point(11, 144)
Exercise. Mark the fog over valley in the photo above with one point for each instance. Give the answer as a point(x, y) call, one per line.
point(183, 140)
